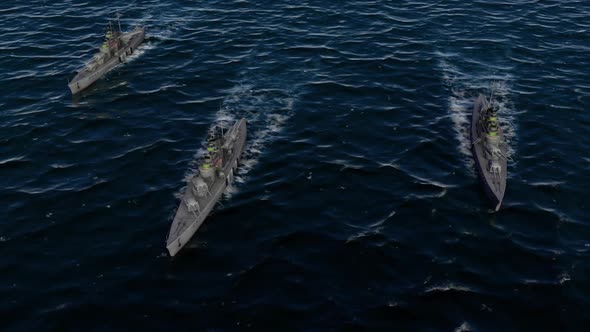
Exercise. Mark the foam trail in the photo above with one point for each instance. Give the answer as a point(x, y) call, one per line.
point(266, 112)
point(460, 111)
point(464, 90)
point(143, 47)
point(158, 29)
point(507, 114)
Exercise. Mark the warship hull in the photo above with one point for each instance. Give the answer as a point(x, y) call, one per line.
point(85, 78)
point(494, 184)
point(186, 223)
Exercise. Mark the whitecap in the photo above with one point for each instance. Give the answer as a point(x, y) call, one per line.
point(448, 287)
point(464, 327)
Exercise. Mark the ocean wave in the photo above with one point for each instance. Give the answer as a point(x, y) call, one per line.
point(352, 189)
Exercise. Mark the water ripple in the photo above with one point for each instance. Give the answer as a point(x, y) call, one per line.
point(356, 207)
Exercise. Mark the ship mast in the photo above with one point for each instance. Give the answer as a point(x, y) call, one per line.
point(119, 21)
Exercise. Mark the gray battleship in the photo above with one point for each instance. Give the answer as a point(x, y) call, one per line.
point(489, 150)
point(115, 49)
point(204, 189)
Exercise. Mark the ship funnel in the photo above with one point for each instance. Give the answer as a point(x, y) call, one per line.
point(207, 172)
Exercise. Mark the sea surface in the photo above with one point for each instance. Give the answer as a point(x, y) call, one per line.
point(357, 206)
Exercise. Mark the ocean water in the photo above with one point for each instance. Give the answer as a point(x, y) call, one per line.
point(357, 207)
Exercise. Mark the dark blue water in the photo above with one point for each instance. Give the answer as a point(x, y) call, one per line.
point(357, 208)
